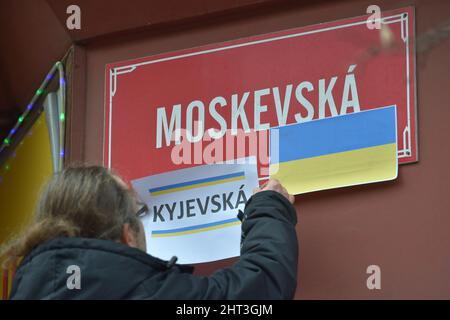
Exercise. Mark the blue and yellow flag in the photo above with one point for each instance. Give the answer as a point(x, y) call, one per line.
point(335, 152)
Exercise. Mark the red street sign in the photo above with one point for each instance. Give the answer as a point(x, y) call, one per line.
point(242, 87)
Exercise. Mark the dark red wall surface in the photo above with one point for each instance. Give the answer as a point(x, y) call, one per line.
point(31, 41)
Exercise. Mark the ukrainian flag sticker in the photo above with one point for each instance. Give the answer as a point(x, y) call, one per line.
point(335, 152)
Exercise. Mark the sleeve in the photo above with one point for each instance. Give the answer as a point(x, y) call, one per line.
point(267, 268)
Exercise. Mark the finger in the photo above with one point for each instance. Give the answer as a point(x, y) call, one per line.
point(276, 181)
point(263, 185)
point(284, 191)
point(272, 183)
point(292, 198)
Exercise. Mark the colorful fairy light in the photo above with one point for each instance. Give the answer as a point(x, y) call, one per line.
point(8, 139)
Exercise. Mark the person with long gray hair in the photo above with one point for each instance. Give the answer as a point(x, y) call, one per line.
point(88, 221)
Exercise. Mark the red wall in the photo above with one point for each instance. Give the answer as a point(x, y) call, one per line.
point(402, 226)
point(31, 41)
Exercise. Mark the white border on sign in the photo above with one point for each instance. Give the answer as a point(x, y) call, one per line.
point(402, 18)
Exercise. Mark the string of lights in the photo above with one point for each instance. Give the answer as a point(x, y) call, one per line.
point(56, 69)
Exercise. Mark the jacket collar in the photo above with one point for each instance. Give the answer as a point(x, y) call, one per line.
point(106, 245)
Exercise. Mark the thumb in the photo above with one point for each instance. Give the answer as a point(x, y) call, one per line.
point(291, 198)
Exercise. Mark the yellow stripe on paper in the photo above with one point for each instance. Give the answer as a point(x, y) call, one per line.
point(336, 170)
point(221, 226)
point(198, 185)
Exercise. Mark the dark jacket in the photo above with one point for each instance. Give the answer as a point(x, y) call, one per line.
point(267, 268)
